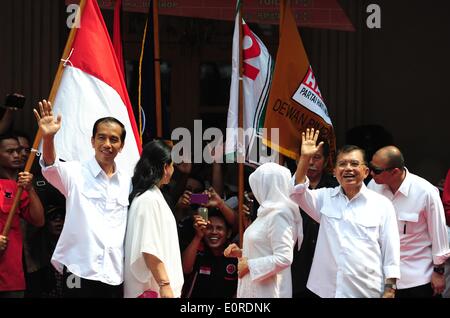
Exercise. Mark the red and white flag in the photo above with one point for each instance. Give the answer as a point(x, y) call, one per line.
point(92, 86)
point(257, 76)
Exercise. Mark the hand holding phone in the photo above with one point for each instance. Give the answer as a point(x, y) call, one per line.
point(14, 101)
point(203, 212)
point(199, 198)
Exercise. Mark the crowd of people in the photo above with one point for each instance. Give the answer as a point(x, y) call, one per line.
point(88, 229)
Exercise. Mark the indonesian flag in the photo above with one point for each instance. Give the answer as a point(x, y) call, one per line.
point(257, 76)
point(92, 87)
point(295, 102)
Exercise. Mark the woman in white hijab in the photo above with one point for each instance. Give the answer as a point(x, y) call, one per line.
point(264, 267)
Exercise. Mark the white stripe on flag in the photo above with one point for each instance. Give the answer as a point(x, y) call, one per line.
point(82, 99)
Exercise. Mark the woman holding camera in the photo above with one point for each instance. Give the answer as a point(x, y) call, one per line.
point(152, 255)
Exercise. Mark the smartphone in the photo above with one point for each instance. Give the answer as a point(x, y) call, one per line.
point(14, 101)
point(199, 198)
point(203, 212)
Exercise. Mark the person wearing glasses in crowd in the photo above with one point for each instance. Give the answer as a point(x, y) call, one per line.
point(358, 247)
point(421, 224)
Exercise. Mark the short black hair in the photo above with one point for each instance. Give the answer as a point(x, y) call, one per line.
point(110, 120)
point(350, 148)
point(8, 135)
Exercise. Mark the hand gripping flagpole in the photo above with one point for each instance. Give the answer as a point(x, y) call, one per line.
point(65, 57)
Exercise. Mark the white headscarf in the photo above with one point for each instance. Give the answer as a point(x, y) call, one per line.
point(271, 185)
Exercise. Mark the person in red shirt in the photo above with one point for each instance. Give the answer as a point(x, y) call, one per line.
point(446, 198)
point(446, 203)
point(12, 281)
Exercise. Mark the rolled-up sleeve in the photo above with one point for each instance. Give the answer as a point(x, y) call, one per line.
point(307, 199)
point(437, 228)
point(56, 174)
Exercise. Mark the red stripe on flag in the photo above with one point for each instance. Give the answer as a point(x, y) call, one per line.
point(94, 54)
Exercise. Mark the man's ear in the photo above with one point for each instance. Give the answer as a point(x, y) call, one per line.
point(229, 232)
point(92, 141)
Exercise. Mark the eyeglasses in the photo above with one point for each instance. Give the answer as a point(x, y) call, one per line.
point(353, 163)
point(377, 171)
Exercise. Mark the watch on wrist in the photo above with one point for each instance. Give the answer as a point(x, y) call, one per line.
point(390, 286)
point(439, 269)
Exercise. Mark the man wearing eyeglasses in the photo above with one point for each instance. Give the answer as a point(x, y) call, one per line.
point(421, 224)
point(358, 248)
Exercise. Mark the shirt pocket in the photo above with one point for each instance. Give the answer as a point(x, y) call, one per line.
point(118, 215)
point(330, 219)
point(365, 229)
point(407, 221)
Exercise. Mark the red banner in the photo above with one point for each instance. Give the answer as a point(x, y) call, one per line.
point(324, 14)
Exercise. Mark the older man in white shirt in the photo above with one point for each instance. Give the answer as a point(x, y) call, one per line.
point(358, 248)
point(421, 224)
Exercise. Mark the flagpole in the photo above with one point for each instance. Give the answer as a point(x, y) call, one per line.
point(159, 131)
point(38, 137)
point(240, 146)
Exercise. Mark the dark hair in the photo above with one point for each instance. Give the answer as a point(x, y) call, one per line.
point(350, 148)
point(325, 149)
point(8, 135)
point(22, 134)
point(149, 169)
point(110, 120)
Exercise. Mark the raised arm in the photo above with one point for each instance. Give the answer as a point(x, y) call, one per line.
point(49, 127)
point(309, 148)
point(190, 253)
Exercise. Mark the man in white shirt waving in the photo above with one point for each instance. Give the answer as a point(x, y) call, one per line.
point(90, 249)
point(421, 224)
point(358, 248)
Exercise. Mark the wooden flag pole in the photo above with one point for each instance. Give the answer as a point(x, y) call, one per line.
point(159, 130)
point(240, 145)
point(38, 137)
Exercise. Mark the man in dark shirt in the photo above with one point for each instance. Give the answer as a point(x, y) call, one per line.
point(211, 273)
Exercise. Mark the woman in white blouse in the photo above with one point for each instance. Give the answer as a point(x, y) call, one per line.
point(264, 266)
point(152, 254)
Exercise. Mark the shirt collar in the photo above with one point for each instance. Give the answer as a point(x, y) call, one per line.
point(339, 190)
point(96, 170)
point(406, 184)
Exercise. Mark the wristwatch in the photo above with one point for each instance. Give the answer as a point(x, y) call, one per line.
point(391, 286)
point(439, 269)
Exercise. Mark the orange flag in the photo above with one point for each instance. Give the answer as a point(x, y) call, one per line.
point(295, 102)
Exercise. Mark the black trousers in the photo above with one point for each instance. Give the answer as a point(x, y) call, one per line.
point(422, 291)
point(77, 287)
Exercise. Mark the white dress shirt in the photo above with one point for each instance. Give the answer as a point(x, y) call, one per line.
point(422, 229)
point(91, 242)
point(152, 229)
point(358, 244)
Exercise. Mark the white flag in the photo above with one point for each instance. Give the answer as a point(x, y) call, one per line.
point(257, 76)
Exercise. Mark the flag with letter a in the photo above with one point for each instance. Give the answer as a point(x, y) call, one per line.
point(295, 102)
point(92, 87)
